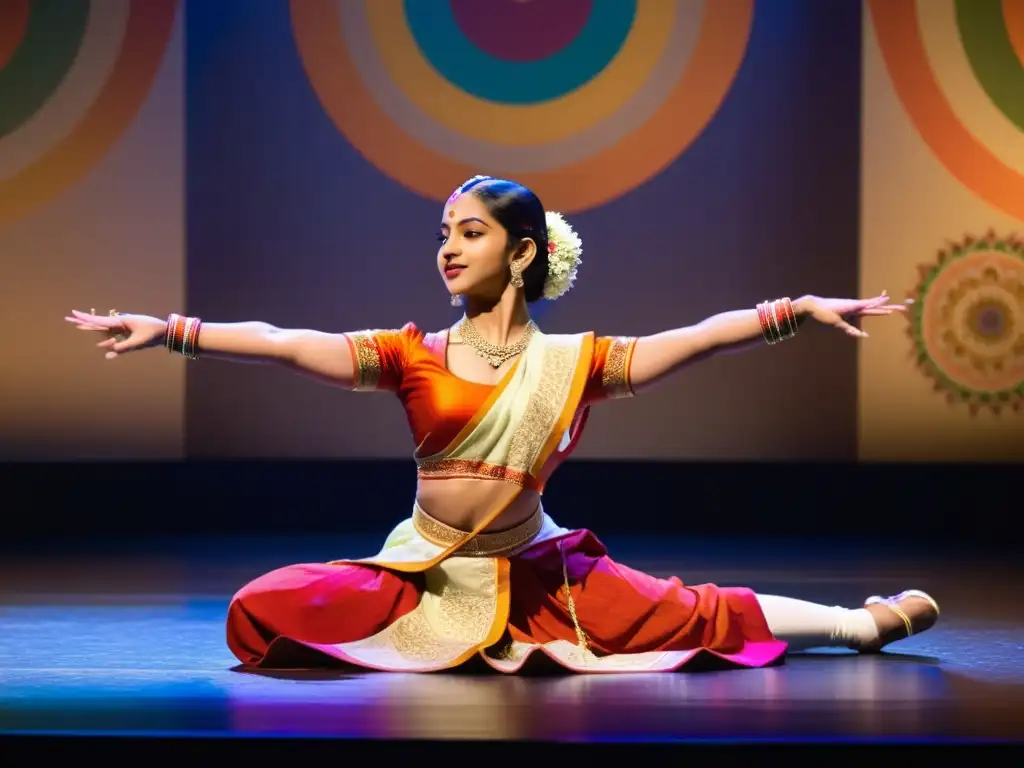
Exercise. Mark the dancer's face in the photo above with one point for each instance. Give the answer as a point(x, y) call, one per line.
point(474, 256)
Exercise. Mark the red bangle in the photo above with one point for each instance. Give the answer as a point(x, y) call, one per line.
point(781, 319)
point(790, 315)
point(183, 335)
point(778, 320)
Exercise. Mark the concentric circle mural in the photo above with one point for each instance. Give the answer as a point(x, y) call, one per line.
point(582, 104)
point(958, 68)
point(967, 322)
point(73, 74)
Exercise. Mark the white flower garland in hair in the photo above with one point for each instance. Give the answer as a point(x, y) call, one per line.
point(564, 250)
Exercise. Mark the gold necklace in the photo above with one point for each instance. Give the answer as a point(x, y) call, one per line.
point(492, 353)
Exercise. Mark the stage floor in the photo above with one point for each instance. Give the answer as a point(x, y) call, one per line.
point(126, 637)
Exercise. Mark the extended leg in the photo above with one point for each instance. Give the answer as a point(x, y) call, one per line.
point(621, 610)
point(316, 603)
point(805, 625)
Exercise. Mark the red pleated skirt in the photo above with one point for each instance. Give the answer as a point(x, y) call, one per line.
point(280, 619)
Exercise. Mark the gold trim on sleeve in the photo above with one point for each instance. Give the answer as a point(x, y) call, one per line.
point(367, 361)
point(615, 375)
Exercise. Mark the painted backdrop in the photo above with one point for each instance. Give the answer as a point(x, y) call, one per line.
point(942, 211)
point(287, 162)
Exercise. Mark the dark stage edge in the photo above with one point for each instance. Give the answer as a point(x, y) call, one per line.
point(118, 648)
point(269, 752)
point(266, 750)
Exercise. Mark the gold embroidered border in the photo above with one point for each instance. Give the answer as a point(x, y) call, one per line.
point(483, 544)
point(367, 360)
point(459, 612)
point(543, 408)
point(437, 469)
point(615, 375)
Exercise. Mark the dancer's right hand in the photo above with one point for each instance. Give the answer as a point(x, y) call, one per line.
point(122, 333)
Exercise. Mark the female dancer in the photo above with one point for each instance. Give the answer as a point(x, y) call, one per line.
point(479, 571)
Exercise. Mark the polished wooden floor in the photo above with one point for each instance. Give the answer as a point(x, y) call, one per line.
point(126, 638)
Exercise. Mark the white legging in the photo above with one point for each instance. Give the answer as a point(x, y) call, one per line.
point(807, 625)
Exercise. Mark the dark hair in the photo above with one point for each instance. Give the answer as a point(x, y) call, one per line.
point(522, 215)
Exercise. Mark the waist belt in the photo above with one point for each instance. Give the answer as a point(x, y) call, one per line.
point(481, 545)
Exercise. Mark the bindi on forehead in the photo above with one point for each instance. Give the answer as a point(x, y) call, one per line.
point(464, 208)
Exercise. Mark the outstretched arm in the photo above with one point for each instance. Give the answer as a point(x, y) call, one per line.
point(320, 355)
point(656, 357)
point(335, 358)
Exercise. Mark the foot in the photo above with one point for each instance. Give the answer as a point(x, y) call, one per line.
point(908, 613)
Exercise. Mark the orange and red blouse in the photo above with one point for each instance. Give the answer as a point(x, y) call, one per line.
point(437, 403)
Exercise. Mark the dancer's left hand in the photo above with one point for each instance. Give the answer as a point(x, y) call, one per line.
point(839, 312)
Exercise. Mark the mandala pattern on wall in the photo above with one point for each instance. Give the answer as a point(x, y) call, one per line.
point(967, 323)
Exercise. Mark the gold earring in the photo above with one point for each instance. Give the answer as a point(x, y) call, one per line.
point(517, 275)
point(456, 300)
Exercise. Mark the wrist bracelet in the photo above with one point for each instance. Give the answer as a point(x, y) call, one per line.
point(778, 320)
point(183, 335)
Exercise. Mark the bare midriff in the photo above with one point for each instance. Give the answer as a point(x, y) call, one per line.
point(462, 503)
